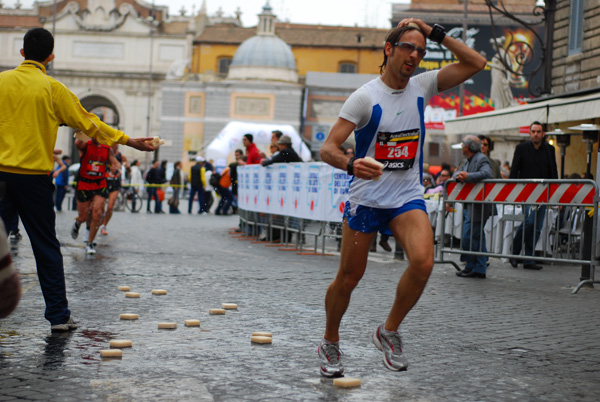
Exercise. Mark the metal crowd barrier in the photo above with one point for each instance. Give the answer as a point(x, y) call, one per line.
point(259, 226)
point(567, 206)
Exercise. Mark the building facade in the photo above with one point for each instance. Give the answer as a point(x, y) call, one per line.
point(112, 54)
point(573, 104)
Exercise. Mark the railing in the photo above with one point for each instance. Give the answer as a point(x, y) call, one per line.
point(564, 204)
point(307, 199)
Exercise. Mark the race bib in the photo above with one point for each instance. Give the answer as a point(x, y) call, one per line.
point(397, 151)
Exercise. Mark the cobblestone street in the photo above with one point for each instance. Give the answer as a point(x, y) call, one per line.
point(517, 335)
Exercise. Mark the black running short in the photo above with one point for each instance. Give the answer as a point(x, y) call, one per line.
point(87, 195)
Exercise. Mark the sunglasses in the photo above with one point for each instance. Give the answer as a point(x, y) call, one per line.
point(409, 47)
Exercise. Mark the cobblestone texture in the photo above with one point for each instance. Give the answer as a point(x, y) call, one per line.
point(518, 335)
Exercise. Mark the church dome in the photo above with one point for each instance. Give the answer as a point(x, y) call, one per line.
point(264, 51)
point(264, 56)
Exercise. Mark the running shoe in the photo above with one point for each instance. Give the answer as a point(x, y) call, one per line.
point(103, 230)
point(331, 360)
point(75, 230)
point(70, 325)
point(390, 343)
point(90, 249)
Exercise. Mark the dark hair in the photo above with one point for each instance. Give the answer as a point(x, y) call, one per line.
point(488, 139)
point(65, 157)
point(135, 162)
point(38, 44)
point(394, 36)
point(536, 123)
point(277, 133)
point(249, 137)
point(240, 151)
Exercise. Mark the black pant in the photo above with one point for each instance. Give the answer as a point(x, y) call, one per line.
point(30, 196)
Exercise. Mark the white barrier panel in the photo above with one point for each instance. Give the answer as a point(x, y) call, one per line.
point(314, 191)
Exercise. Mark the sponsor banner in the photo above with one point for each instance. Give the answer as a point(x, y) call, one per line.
point(314, 191)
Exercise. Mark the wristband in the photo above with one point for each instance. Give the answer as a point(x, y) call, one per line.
point(350, 167)
point(437, 34)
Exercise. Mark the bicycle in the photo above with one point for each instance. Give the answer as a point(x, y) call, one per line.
point(128, 198)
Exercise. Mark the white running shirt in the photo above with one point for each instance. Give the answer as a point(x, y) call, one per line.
point(390, 127)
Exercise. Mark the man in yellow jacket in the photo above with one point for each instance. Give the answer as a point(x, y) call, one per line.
point(33, 106)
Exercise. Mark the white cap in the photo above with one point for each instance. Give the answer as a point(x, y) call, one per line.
point(200, 159)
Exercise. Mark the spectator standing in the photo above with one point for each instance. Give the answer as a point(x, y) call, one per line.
point(252, 154)
point(486, 148)
point(286, 153)
point(61, 182)
point(505, 170)
point(239, 161)
point(136, 183)
point(33, 106)
point(197, 185)
point(177, 181)
point(475, 169)
point(427, 183)
point(154, 179)
point(275, 136)
point(534, 159)
point(224, 192)
point(443, 176)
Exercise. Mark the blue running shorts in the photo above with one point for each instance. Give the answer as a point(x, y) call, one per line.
point(369, 219)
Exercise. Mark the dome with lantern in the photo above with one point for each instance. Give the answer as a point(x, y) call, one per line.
point(264, 56)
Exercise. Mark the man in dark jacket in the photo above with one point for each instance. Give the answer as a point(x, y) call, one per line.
point(154, 178)
point(196, 184)
point(533, 159)
point(475, 169)
point(286, 152)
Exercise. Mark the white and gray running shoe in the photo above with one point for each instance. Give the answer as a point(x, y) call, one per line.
point(390, 343)
point(331, 360)
point(90, 249)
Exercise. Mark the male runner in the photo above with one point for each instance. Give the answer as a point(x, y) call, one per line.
point(113, 184)
point(92, 191)
point(386, 116)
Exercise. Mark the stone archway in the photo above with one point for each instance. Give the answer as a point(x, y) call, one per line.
point(102, 107)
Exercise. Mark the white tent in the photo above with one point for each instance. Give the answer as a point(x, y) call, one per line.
point(230, 139)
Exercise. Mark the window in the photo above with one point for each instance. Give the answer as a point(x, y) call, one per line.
point(347, 68)
point(434, 150)
point(576, 27)
point(224, 63)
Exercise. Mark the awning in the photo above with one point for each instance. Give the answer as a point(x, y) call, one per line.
point(556, 110)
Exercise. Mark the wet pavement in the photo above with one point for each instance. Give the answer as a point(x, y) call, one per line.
point(517, 335)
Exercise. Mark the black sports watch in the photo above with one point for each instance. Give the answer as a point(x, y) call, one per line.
point(437, 34)
point(350, 167)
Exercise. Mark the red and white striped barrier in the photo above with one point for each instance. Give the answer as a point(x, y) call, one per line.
point(556, 193)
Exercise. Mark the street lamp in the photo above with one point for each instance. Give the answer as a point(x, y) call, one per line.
point(590, 136)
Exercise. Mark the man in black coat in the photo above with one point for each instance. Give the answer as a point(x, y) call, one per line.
point(286, 152)
point(533, 159)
